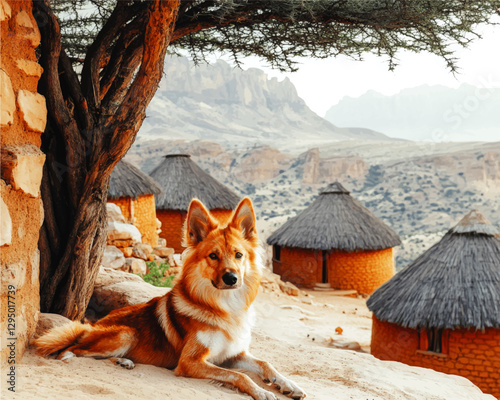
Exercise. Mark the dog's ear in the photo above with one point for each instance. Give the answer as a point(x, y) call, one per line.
point(199, 223)
point(244, 219)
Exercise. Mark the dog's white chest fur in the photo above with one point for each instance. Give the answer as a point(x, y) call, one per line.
point(221, 347)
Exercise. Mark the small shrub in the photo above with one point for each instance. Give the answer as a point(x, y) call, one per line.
point(155, 276)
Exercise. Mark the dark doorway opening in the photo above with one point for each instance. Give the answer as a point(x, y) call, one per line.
point(325, 266)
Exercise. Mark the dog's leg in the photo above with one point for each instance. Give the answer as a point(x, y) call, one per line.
point(266, 372)
point(193, 364)
point(105, 343)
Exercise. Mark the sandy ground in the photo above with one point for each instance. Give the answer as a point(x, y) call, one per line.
point(289, 334)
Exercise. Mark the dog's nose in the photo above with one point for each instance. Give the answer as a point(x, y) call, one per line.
point(230, 278)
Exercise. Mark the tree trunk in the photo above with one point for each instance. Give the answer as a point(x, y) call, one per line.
point(92, 122)
point(72, 238)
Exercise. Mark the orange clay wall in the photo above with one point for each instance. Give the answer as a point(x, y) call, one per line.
point(23, 114)
point(363, 271)
point(142, 213)
point(299, 266)
point(172, 223)
point(474, 355)
point(171, 228)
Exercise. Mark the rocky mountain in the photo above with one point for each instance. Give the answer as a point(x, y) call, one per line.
point(238, 108)
point(419, 189)
point(425, 112)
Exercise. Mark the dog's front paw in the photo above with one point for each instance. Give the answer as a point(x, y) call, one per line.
point(289, 388)
point(123, 362)
point(262, 394)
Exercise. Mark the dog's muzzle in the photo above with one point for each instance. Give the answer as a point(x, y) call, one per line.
point(230, 278)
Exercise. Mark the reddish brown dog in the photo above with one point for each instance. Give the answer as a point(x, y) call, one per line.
point(203, 325)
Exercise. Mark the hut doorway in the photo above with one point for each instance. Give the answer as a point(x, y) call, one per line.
point(325, 267)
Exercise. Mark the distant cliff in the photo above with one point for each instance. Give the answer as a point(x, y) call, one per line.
point(218, 102)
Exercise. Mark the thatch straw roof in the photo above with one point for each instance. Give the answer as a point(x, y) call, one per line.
point(454, 284)
point(129, 181)
point(335, 220)
point(182, 180)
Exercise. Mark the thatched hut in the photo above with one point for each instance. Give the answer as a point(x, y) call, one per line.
point(182, 180)
point(134, 192)
point(335, 241)
point(443, 310)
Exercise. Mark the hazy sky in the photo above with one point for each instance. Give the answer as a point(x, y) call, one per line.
point(322, 83)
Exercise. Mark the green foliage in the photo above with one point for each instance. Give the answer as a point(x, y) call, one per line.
point(155, 276)
point(283, 31)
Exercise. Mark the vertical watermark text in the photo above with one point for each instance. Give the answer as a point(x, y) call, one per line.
point(11, 338)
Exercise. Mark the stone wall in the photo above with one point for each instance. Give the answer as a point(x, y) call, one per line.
point(142, 213)
point(363, 271)
point(23, 118)
point(472, 354)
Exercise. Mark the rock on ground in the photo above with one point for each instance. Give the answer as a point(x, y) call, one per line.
point(47, 321)
point(117, 289)
point(113, 257)
point(114, 213)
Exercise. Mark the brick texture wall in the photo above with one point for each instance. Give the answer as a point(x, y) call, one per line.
point(299, 266)
point(472, 354)
point(172, 223)
point(22, 120)
point(361, 271)
point(142, 213)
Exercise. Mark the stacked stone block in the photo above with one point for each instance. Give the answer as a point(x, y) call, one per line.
point(472, 354)
point(22, 119)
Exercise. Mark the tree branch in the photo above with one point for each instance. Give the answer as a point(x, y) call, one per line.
point(123, 76)
point(65, 125)
point(119, 52)
point(127, 119)
point(93, 60)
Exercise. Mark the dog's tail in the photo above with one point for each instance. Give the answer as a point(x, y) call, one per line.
point(60, 338)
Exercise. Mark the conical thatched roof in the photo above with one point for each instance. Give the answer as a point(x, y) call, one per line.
point(454, 284)
point(129, 181)
point(335, 220)
point(182, 180)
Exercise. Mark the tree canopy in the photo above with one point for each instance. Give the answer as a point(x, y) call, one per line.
point(281, 31)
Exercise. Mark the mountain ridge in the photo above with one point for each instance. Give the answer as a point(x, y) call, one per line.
point(430, 113)
point(218, 102)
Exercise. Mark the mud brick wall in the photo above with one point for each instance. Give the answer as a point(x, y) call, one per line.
point(172, 222)
point(22, 120)
point(142, 213)
point(363, 271)
point(299, 266)
point(472, 354)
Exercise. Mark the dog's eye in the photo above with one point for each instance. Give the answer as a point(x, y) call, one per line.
point(238, 255)
point(213, 256)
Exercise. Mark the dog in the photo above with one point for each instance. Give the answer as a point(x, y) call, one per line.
point(203, 325)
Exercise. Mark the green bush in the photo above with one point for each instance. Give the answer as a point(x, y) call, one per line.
point(155, 276)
